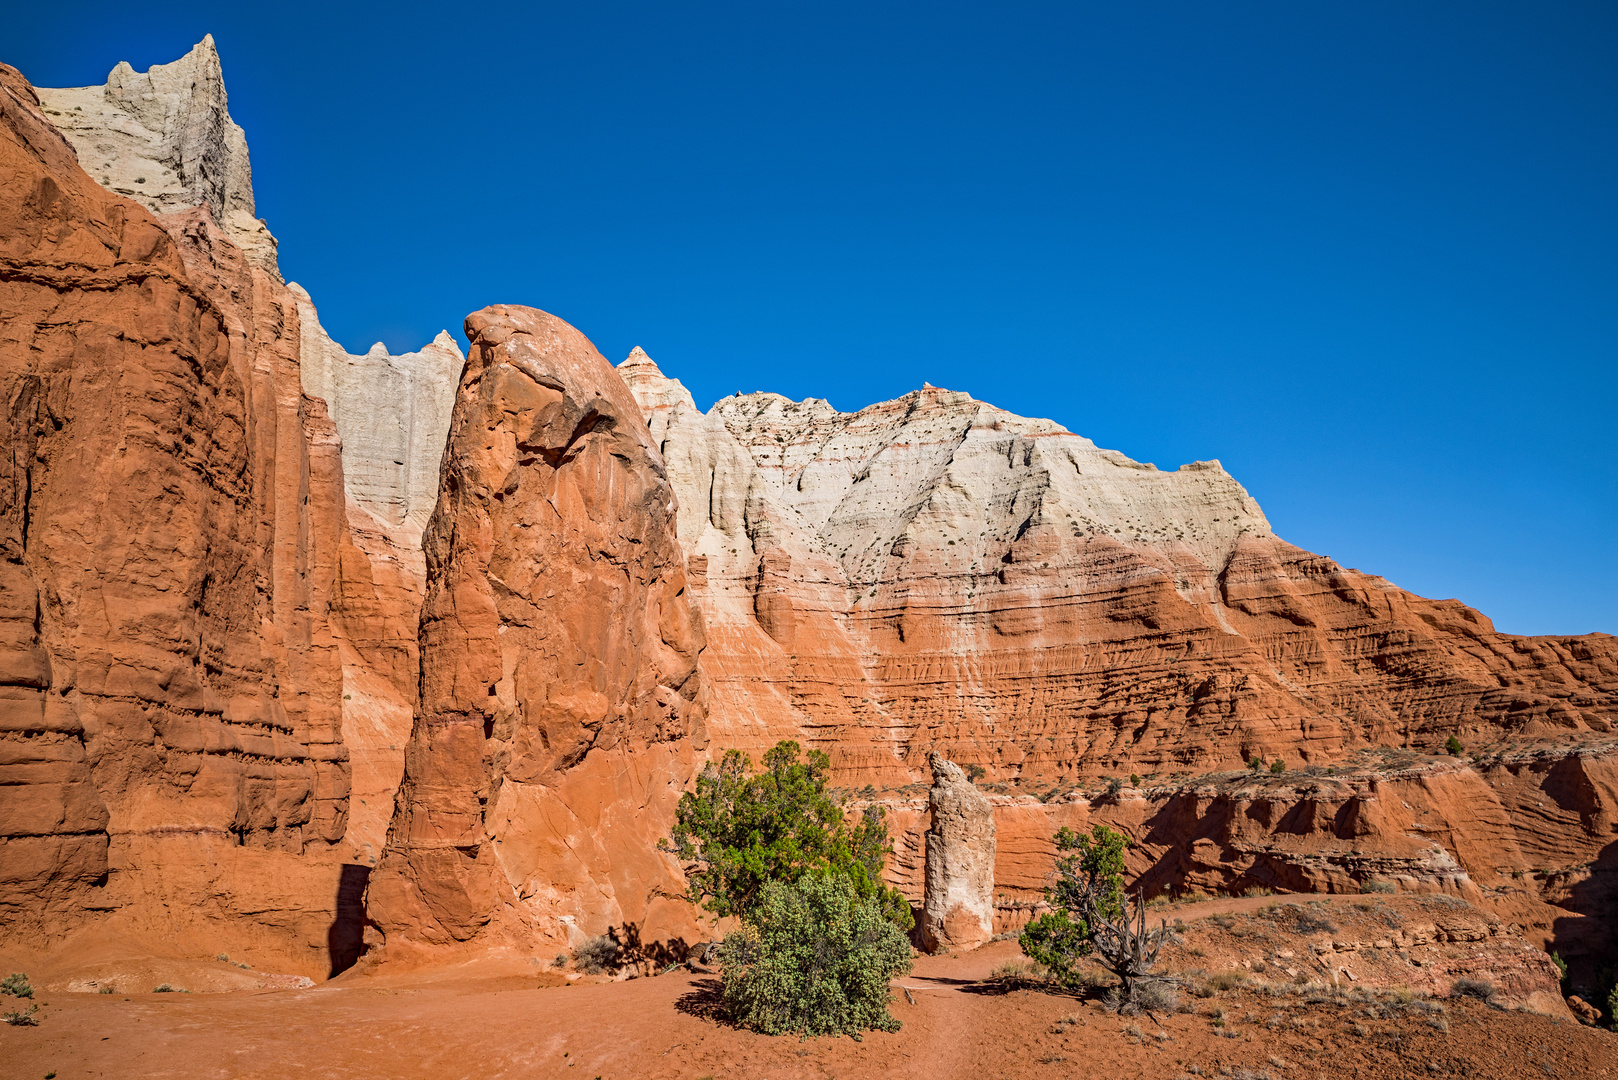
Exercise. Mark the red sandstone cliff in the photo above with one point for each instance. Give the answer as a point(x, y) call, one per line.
point(209, 656)
point(561, 709)
point(182, 594)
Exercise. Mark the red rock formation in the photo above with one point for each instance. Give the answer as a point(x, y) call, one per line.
point(561, 707)
point(209, 657)
point(1528, 834)
point(172, 534)
point(934, 572)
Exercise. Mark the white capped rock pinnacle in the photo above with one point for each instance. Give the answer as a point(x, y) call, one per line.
point(164, 137)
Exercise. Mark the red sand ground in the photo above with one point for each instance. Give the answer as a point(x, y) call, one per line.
point(961, 1025)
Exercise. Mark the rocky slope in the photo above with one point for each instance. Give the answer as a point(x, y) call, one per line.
point(933, 572)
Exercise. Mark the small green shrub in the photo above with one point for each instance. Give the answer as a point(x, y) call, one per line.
point(814, 958)
point(1612, 1009)
point(1062, 937)
point(1453, 746)
point(106, 990)
point(1256, 764)
point(1134, 779)
point(1277, 767)
point(597, 955)
point(1375, 886)
point(1561, 971)
point(16, 984)
point(975, 773)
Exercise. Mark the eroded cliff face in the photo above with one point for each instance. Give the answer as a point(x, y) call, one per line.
point(202, 658)
point(164, 138)
point(393, 412)
point(562, 710)
point(172, 510)
point(1527, 834)
point(933, 572)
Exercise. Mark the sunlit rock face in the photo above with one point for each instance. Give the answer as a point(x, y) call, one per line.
point(935, 573)
point(562, 709)
point(393, 412)
point(164, 138)
point(203, 663)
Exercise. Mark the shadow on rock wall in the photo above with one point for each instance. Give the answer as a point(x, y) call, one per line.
point(1588, 940)
point(345, 941)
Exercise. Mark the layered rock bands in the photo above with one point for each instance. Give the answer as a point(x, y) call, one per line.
point(935, 573)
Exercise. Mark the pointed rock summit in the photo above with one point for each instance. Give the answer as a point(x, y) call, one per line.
point(659, 396)
point(164, 137)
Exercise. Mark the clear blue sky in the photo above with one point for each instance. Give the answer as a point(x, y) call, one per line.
point(1364, 253)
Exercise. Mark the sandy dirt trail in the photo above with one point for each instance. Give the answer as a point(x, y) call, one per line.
point(960, 1026)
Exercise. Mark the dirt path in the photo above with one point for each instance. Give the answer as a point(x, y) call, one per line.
point(669, 1027)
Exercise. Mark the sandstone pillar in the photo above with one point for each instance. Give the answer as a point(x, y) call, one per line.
point(958, 911)
point(560, 709)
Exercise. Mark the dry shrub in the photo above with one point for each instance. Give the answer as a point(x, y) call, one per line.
point(1014, 974)
point(1481, 989)
point(598, 955)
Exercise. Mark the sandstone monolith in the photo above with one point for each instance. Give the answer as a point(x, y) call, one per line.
point(958, 909)
point(561, 706)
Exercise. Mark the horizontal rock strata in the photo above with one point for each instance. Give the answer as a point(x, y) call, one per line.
point(212, 632)
point(933, 572)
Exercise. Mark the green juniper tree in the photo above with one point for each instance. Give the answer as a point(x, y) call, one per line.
point(812, 958)
point(741, 830)
point(1089, 880)
point(821, 934)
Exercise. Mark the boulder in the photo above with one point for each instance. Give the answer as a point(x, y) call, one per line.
point(1587, 1013)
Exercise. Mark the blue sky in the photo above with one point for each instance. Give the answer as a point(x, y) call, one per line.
point(1366, 254)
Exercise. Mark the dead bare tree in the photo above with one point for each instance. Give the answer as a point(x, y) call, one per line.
point(1090, 916)
point(1128, 948)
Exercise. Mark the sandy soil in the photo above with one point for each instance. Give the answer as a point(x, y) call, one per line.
point(959, 1025)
